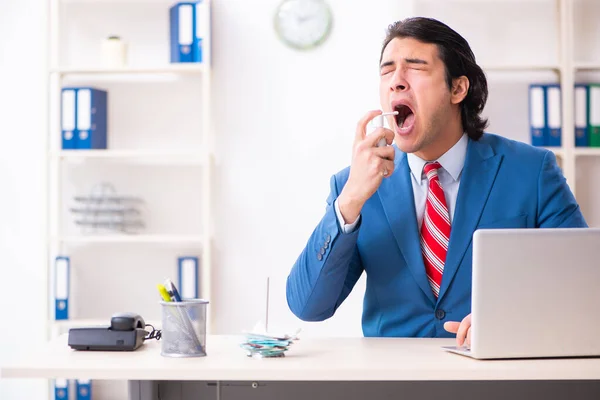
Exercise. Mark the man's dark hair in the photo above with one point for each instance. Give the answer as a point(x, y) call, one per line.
point(458, 59)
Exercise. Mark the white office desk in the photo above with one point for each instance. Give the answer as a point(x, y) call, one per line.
point(309, 359)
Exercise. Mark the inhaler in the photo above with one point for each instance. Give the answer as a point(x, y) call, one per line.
point(378, 121)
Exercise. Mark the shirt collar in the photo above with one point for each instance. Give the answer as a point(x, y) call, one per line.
point(452, 161)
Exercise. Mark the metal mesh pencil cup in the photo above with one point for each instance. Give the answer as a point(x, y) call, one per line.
point(183, 328)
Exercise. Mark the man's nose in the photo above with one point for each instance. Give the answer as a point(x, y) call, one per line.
point(398, 84)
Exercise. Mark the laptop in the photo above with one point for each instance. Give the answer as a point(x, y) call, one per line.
point(535, 294)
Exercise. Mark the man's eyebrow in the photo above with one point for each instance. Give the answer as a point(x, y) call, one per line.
point(415, 61)
point(407, 60)
point(386, 64)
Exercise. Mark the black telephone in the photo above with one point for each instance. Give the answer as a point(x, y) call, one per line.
point(127, 332)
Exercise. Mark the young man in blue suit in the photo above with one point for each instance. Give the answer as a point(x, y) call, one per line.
point(413, 238)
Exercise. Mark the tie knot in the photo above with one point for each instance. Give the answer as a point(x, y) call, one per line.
point(431, 169)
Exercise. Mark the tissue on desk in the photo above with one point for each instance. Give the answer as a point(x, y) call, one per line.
point(261, 344)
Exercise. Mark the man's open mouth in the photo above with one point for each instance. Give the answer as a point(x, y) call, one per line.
point(405, 117)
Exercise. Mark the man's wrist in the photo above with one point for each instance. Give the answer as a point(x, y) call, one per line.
point(349, 208)
point(345, 227)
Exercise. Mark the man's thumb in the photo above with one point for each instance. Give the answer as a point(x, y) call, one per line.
point(452, 327)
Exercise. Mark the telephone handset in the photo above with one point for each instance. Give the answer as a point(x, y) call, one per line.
point(126, 322)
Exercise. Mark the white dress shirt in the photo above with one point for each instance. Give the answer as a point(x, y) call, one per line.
point(452, 163)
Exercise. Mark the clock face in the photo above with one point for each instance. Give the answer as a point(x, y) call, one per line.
point(303, 24)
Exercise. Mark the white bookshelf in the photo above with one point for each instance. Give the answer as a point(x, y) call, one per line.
point(141, 239)
point(549, 41)
point(582, 151)
point(160, 147)
point(167, 69)
point(519, 68)
point(156, 157)
point(586, 66)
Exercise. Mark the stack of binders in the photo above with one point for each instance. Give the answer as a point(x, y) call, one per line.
point(84, 118)
point(587, 114)
point(189, 29)
point(83, 389)
point(545, 114)
point(545, 117)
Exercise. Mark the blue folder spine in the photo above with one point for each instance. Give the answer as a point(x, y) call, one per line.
point(582, 102)
point(537, 114)
point(61, 389)
point(553, 115)
point(188, 277)
point(84, 389)
point(67, 119)
point(61, 287)
point(181, 27)
point(92, 118)
point(201, 31)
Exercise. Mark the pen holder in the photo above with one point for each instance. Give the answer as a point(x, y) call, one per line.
point(184, 328)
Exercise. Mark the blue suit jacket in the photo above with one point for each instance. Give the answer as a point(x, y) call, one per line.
point(504, 184)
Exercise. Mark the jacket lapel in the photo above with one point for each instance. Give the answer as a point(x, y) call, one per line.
point(397, 199)
point(479, 173)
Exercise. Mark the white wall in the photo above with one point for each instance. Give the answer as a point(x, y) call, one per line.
point(285, 123)
point(22, 176)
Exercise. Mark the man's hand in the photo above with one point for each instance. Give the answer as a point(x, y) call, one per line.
point(462, 330)
point(370, 164)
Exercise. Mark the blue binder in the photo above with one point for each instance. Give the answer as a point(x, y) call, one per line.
point(188, 277)
point(582, 98)
point(61, 389)
point(553, 115)
point(181, 20)
point(67, 119)
point(61, 288)
point(92, 118)
point(537, 114)
point(201, 31)
point(84, 389)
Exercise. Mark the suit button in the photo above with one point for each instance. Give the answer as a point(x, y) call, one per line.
point(327, 238)
point(319, 256)
point(440, 314)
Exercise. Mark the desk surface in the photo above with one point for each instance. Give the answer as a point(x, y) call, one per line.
point(309, 359)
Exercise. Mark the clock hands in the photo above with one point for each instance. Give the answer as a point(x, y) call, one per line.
point(303, 18)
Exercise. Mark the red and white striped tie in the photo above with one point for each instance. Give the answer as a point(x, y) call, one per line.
point(435, 229)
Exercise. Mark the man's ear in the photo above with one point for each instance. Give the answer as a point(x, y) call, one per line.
point(460, 88)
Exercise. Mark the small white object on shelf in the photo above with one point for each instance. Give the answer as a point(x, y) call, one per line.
point(114, 52)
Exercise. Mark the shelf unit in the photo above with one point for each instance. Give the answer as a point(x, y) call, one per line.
point(185, 161)
point(546, 49)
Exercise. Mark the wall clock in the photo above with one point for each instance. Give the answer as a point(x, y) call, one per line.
point(303, 24)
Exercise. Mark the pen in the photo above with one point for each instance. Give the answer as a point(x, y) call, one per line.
point(172, 290)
